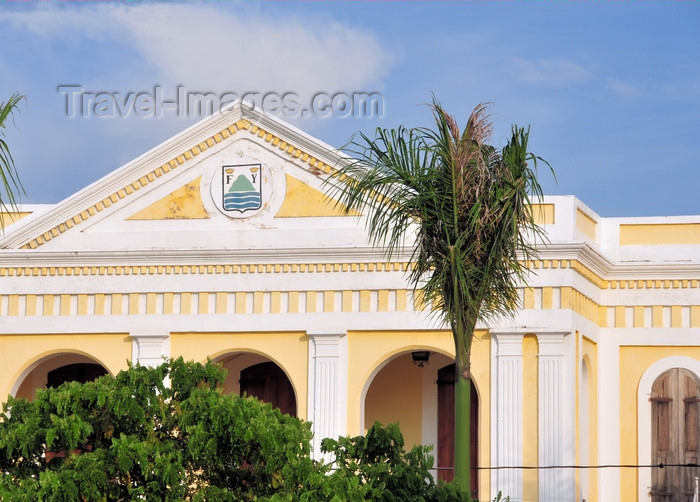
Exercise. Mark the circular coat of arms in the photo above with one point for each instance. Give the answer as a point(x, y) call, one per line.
point(239, 189)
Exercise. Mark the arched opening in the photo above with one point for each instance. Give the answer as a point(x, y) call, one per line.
point(675, 426)
point(255, 375)
point(76, 372)
point(421, 400)
point(56, 369)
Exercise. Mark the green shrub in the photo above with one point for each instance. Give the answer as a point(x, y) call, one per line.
point(379, 468)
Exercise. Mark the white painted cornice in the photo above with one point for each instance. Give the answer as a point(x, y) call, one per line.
point(577, 250)
point(35, 258)
point(618, 270)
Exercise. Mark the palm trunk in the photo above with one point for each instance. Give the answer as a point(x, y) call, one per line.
point(462, 461)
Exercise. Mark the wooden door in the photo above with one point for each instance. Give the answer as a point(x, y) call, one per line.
point(446, 427)
point(270, 384)
point(675, 424)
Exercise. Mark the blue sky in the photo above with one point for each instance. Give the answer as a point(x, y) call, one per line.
point(611, 90)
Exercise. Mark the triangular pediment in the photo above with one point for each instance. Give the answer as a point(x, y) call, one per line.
point(218, 184)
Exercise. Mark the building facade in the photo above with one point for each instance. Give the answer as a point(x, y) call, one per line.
point(221, 244)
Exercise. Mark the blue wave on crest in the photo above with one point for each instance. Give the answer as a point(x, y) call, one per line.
point(241, 200)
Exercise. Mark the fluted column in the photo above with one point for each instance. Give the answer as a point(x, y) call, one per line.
point(507, 413)
point(149, 349)
point(327, 387)
point(556, 426)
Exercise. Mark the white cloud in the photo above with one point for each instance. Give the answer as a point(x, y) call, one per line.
point(554, 72)
point(623, 89)
point(222, 48)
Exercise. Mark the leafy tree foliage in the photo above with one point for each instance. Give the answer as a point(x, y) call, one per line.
point(169, 433)
point(377, 467)
point(134, 437)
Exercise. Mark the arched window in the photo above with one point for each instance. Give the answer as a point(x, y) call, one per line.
point(268, 382)
point(675, 424)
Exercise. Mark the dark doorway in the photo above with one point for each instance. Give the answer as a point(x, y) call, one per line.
point(270, 384)
point(446, 427)
point(79, 372)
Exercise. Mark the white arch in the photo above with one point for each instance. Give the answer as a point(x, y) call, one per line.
point(80, 357)
point(644, 414)
point(383, 361)
point(258, 356)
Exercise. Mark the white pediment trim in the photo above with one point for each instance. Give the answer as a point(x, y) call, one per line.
point(176, 154)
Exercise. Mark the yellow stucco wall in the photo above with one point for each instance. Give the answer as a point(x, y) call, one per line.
point(386, 401)
point(586, 224)
point(634, 360)
point(20, 353)
point(284, 348)
point(651, 234)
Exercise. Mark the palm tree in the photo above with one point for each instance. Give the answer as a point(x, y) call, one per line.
point(466, 209)
point(11, 184)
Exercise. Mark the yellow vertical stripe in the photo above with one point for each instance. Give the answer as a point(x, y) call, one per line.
point(310, 301)
point(547, 295)
point(603, 316)
point(347, 301)
point(401, 300)
point(328, 301)
point(275, 302)
point(82, 304)
point(293, 300)
point(364, 300)
point(168, 303)
point(638, 316)
point(240, 302)
point(185, 303)
point(695, 316)
point(418, 299)
point(528, 298)
point(566, 297)
point(151, 303)
point(620, 316)
point(13, 305)
point(258, 298)
point(65, 305)
point(221, 303)
point(99, 304)
point(203, 303)
point(383, 300)
point(48, 304)
point(116, 304)
point(30, 306)
point(134, 303)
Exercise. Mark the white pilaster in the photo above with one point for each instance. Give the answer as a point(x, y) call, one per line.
point(149, 349)
point(507, 414)
point(327, 387)
point(556, 427)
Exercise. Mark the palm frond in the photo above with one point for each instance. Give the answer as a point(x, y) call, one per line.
point(466, 205)
point(11, 184)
